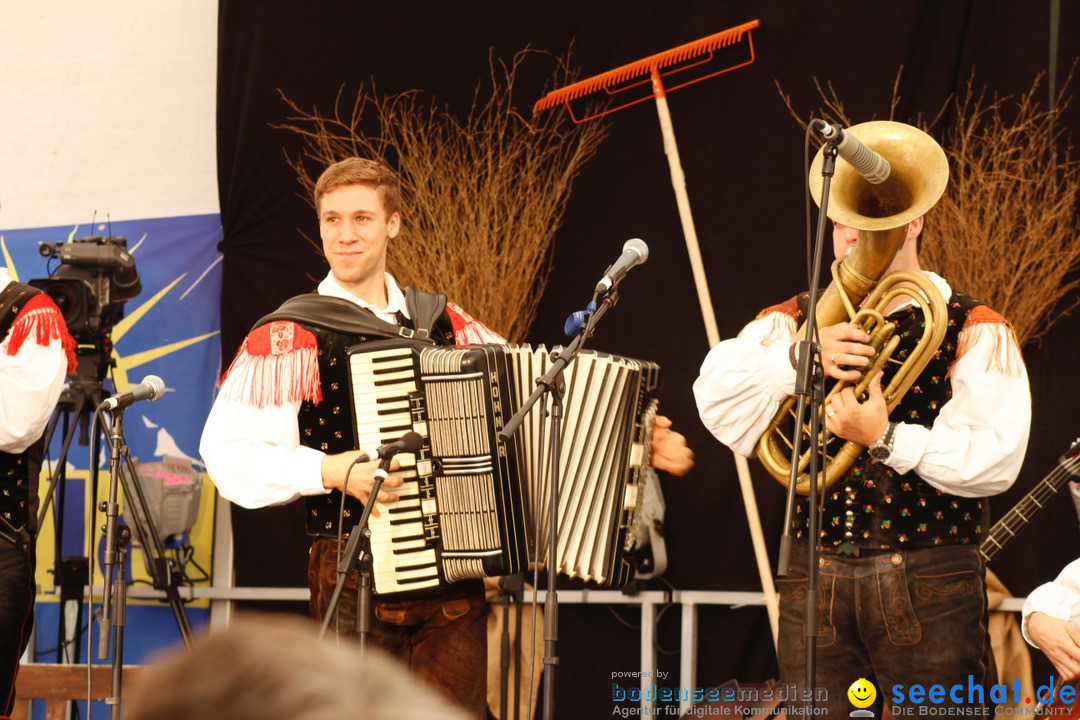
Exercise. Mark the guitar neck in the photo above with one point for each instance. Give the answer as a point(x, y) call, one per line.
point(1006, 528)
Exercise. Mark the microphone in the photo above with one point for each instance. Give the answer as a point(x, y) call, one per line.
point(868, 163)
point(151, 388)
point(410, 442)
point(634, 252)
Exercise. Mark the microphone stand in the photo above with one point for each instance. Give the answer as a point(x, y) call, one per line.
point(809, 387)
point(117, 538)
point(357, 553)
point(553, 385)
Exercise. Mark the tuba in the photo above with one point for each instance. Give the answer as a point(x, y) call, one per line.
point(858, 293)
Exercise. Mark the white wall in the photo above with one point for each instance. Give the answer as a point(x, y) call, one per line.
point(106, 106)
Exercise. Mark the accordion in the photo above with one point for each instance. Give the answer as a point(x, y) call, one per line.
point(471, 506)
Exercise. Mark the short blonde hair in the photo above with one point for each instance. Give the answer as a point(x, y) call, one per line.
point(361, 171)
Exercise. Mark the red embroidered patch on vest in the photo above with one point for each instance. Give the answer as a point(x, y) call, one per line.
point(279, 337)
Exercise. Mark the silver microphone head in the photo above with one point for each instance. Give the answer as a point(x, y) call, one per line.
point(156, 386)
point(638, 246)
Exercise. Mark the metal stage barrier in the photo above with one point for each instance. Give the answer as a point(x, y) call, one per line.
point(690, 600)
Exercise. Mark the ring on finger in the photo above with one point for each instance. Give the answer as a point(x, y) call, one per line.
point(830, 413)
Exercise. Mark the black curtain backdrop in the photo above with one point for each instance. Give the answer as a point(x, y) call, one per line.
point(743, 157)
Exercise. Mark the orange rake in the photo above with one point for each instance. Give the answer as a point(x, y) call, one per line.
point(694, 54)
point(622, 79)
point(675, 60)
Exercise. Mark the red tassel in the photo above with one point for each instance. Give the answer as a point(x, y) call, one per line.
point(788, 307)
point(783, 317)
point(1006, 357)
point(41, 317)
point(277, 364)
point(470, 331)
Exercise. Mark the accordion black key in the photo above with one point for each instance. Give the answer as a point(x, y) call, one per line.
point(471, 506)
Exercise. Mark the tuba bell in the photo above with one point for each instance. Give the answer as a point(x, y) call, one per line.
point(858, 293)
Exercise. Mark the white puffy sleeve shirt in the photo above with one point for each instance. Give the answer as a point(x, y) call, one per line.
point(31, 381)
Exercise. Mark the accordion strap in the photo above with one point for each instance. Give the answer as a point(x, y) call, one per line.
point(343, 316)
point(425, 309)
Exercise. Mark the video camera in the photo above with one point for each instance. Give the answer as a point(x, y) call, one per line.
point(96, 277)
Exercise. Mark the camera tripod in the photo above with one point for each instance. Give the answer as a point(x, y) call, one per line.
point(77, 405)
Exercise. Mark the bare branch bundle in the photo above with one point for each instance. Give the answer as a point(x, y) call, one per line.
point(834, 112)
point(1006, 230)
point(483, 194)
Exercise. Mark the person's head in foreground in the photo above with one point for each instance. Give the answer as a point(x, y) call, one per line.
point(276, 668)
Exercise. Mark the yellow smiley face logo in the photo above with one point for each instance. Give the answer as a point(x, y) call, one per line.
point(862, 693)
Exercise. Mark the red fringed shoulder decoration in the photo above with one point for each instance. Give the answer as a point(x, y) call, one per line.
point(1005, 357)
point(788, 307)
point(784, 317)
point(277, 364)
point(981, 314)
point(41, 319)
point(469, 331)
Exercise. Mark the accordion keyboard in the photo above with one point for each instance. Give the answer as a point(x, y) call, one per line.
point(381, 383)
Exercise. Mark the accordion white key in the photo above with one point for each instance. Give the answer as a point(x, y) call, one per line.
point(474, 507)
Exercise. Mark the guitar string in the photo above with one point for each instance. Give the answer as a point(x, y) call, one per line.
point(1050, 486)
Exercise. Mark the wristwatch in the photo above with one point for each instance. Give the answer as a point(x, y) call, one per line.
point(881, 449)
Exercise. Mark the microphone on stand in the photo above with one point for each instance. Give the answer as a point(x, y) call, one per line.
point(151, 388)
point(866, 162)
point(634, 252)
point(410, 442)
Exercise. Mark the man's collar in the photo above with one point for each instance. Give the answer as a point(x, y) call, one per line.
point(395, 298)
point(938, 282)
point(942, 285)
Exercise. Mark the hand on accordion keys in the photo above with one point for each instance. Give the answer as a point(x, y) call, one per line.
point(361, 477)
point(669, 450)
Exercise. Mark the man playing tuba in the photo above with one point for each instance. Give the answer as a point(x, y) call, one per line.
point(901, 583)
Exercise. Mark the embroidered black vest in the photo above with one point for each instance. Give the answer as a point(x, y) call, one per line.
point(874, 507)
point(19, 471)
point(328, 426)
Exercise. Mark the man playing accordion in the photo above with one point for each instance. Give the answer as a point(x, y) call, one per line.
point(281, 427)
